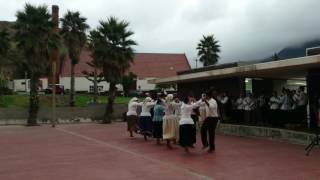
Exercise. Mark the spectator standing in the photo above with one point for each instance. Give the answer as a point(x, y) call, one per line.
point(249, 104)
point(286, 106)
point(274, 104)
point(302, 102)
point(239, 108)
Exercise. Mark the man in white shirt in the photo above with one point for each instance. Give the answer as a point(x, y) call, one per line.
point(239, 109)
point(210, 123)
point(302, 102)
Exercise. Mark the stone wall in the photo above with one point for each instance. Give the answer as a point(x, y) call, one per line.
point(93, 112)
point(295, 137)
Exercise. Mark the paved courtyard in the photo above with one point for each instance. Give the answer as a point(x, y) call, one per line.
point(95, 151)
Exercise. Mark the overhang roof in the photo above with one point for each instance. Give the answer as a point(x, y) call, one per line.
point(282, 69)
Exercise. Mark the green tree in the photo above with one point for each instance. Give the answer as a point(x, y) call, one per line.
point(73, 30)
point(128, 81)
point(208, 49)
point(35, 37)
point(4, 42)
point(114, 54)
point(275, 57)
point(95, 77)
point(4, 48)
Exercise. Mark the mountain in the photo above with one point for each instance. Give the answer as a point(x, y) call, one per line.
point(296, 50)
point(8, 25)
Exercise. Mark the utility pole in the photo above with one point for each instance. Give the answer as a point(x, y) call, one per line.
point(196, 62)
point(54, 60)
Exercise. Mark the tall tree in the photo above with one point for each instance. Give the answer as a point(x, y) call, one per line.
point(74, 29)
point(114, 54)
point(128, 81)
point(275, 57)
point(95, 77)
point(208, 49)
point(35, 37)
point(4, 42)
point(4, 48)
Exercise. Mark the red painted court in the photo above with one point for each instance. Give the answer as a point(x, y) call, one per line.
point(95, 151)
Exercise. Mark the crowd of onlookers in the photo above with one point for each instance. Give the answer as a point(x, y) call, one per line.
point(276, 110)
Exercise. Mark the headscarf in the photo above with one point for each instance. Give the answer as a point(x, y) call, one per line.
point(133, 100)
point(169, 98)
point(147, 99)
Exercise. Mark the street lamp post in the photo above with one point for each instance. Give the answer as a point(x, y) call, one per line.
point(54, 59)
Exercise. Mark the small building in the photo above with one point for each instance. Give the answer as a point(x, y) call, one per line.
point(258, 78)
point(147, 66)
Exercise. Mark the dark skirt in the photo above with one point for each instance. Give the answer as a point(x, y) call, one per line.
point(157, 129)
point(132, 122)
point(145, 125)
point(187, 135)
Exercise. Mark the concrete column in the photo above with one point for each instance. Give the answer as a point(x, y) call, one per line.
point(313, 87)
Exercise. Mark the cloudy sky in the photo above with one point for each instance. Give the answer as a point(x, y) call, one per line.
point(246, 29)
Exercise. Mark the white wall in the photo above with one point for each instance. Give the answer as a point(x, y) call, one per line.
point(19, 84)
point(83, 84)
point(144, 85)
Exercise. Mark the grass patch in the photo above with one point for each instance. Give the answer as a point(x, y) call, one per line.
point(22, 100)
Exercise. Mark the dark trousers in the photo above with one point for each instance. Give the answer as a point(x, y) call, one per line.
point(209, 128)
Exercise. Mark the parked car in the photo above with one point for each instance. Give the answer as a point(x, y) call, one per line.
point(59, 89)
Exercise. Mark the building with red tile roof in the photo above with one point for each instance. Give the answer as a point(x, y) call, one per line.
point(145, 65)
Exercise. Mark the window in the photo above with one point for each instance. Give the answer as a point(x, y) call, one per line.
point(91, 89)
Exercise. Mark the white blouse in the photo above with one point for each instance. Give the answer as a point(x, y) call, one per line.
point(132, 108)
point(177, 108)
point(146, 107)
point(186, 110)
point(274, 103)
point(248, 104)
point(239, 104)
point(168, 108)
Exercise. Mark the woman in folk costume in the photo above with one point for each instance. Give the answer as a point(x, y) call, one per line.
point(187, 130)
point(170, 123)
point(158, 113)
point(177, 112)
point(145, 121)
point(132, 116)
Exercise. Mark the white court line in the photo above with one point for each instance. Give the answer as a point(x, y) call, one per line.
point(166, 164)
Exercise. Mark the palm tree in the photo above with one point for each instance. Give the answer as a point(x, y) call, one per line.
point(74, 29)
point(275, 57)
point(4, 48)
point(35, 37)
point(112, 49)
point(4, 42)
point(208, 49)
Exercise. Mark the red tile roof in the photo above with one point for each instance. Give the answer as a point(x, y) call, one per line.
point(145, 65)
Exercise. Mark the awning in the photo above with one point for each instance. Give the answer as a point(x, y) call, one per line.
point(282, 69)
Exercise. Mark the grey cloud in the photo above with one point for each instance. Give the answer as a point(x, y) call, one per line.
point(246, 29)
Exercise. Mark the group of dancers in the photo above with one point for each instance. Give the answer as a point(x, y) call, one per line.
point(168, 118)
